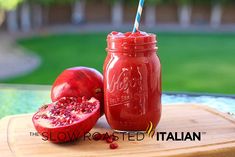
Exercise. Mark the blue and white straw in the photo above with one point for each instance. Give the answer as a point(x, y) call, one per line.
point(138, 16)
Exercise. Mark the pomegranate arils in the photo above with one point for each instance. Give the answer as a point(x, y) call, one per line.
point(114, 138)
point(97, 137)
point(109, 140)
point(67, 110)
point(113, 145)
point(105, 136)
point(44, 116)
point(70, 115)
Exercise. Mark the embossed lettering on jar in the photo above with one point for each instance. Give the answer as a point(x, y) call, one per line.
point(132, 81)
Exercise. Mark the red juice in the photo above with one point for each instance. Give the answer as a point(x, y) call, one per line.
point(132, 81)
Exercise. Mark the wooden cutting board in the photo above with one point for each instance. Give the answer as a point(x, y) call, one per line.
point(217, 139)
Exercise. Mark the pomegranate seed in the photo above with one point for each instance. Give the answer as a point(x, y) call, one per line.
point(44, 116)
point(63, 120)
point(83, 110)
point(57, 112)
point(105, 136)
point(114, 138)
point(109, 140)
point(84, 99)
point(113, 146)
point(37, 117)
point(97, 137)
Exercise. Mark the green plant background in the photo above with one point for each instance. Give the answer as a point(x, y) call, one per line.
point(191, 62)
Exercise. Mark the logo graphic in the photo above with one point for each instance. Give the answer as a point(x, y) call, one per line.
point(150, 129)
point(128, 89)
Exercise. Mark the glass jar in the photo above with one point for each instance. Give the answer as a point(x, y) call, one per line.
point(132, 81)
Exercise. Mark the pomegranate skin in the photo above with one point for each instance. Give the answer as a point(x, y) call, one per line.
point(68, 133)
point(79, 82)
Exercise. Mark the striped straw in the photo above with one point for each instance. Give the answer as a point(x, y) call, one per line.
point(138, 16)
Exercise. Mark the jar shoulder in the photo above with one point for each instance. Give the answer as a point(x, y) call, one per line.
point(114, 61)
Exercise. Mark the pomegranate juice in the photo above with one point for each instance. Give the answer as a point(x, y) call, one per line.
point(132, 81)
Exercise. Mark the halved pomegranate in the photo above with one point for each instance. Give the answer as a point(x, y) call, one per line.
point(67, 119)
point(78, 82)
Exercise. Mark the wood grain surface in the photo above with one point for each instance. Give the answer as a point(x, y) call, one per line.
point(218, 137)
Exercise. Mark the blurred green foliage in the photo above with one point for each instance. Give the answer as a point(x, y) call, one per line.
point(191, 62)
point(9, 4)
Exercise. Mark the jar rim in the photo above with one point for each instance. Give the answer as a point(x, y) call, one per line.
point(141, 41)
point(144, 38)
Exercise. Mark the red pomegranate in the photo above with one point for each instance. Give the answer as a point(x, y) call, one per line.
point(66, 119)
point(79, 82)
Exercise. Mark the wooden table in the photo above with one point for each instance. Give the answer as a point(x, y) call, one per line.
point(217, 137)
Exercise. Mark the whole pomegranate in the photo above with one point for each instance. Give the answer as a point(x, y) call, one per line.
point(67, 119)
point(79, 82)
